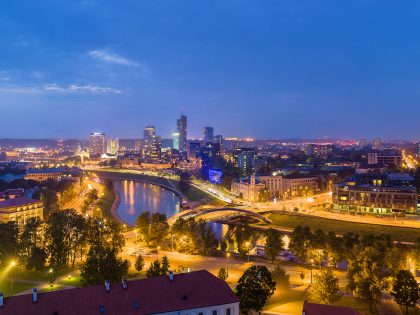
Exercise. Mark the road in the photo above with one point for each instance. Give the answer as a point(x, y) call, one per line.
point(235, 266)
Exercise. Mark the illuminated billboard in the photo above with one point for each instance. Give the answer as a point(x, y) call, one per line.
point(215, 176)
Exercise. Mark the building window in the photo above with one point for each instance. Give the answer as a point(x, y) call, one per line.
point(200, 313)
point(214, 312)
point(228, 311)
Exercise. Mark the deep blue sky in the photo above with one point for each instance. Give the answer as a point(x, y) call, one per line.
point(268, 69)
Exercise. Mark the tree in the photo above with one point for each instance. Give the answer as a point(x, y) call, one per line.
point(103, 264)
point(143, 224)
point(49, 199)
point(243, 235)
point(155, 269)
point(139, 264)
point(205, 239)
point(9, 241)
point(36, 259)
point(406, 290)
point(300, 242)
point(185, 182)
point(56, 239)
point(280, 276)
point(273, 243)
point(28, 240)
point(165, 265)
point(158, 228)
point(254, 288)
point(366, 275)
point(223, 274)
point(325, 288)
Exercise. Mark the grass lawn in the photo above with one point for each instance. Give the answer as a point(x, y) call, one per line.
point(290, 301)
point(17, 287)
point(342, 227)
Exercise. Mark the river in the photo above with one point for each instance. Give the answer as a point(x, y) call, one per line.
point(138, 197)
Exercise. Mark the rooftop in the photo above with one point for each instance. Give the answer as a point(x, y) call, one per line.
point(16, 202)
point(149, 296)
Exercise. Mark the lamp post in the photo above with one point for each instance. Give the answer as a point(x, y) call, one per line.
point(312, 261)
point(12, 265)
point(227, 265)
point(51, 271)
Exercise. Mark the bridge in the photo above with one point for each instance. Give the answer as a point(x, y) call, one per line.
point(212, 214)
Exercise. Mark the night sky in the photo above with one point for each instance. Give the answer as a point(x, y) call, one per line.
point(266, 69)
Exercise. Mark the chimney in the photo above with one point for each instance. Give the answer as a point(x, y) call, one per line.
point(34, 295)
point(171, 276)
point(1, 300)
point(124, 283)
point(107, 286)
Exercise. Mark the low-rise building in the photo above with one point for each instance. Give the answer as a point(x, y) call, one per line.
point(385, 158)
point(290, 186)
point(376, 193)
point(20, 209)
point(283, 187)
point(194, 293)
point(55, 173)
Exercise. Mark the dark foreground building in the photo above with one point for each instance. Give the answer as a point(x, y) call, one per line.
point(195, 293)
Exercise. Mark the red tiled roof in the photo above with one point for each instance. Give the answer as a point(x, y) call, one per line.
point(14, 202)
point(155, 295)
point(324, 309)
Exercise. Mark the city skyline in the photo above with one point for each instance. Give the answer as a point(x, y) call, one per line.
point(281, 70)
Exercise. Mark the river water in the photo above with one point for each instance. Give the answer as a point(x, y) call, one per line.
point(138, 197)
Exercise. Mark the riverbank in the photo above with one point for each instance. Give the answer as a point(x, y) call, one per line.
point(106, 203)
point(115, 205)
point(193, 195)
point(290, 221)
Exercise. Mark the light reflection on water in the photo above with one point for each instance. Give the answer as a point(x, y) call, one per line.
point(137, 197)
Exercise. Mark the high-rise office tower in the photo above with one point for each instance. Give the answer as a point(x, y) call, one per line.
point(219, 140)
point(181, 125)
point(149, 133)
point(176, 140)
point(155, 150)
point(112, 146)
point(208, 135)
point(97, 144)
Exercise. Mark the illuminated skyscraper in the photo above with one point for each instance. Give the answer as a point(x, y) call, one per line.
point(149, 133)
point(176, 140)
point(181, 125)
point(208, 135)
point(97, 144)
point(112, 146)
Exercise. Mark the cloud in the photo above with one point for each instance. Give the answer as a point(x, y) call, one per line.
point(55, 88)
point(94, 89)
point(112, 58)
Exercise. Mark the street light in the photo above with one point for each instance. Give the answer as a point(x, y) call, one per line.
point(227, 265)
point(51, 271)
point(12, 265)
point(248, 244)
point(312, 261)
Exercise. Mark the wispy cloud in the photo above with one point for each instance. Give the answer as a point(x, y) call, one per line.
point(55, 88)
point(93, 89)
point(112, 58)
